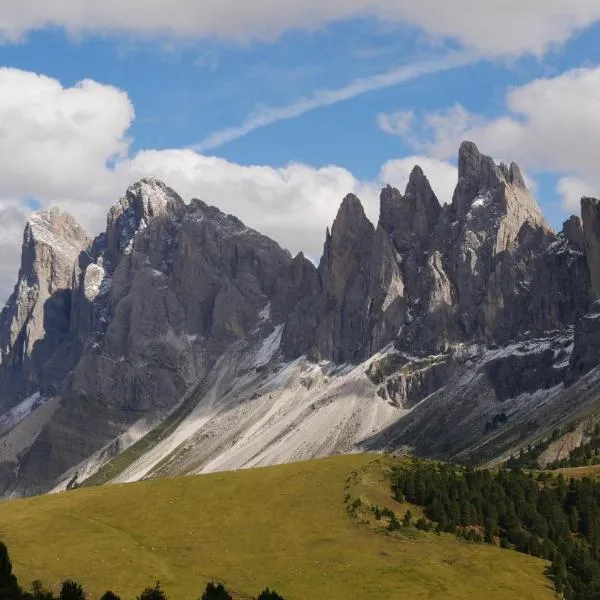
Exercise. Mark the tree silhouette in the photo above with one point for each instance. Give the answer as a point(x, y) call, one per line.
point(110, 596)
point(9, 588)
point(71, 590)
point(154, 593)
point(216, 591)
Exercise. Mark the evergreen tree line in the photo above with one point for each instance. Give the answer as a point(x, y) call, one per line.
point(543, 516)
point(72, 590)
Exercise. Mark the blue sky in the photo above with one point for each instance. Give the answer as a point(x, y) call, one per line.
point(168, 83)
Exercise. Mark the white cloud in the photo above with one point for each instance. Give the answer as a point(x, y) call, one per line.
point(551, 125)
point(572, 190)
point(323, 98)
point(397, 123)
point(12, 222)
point(55, 142)
point(503, 27)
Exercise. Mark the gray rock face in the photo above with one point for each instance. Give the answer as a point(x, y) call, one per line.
point(486, 268)
point(590, 214)
point(496, 216)
point(475, 282)
point(411, 219)
point(561, 283)
point(143, 201)
point(36, 318)
point(156, 301)
point(586, 353)
point(126, 326)
point(359, 303)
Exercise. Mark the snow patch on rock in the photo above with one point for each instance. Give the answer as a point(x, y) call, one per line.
point(21, 411)
point(269, 347)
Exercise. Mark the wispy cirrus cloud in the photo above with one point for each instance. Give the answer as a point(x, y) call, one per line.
point(328, 97)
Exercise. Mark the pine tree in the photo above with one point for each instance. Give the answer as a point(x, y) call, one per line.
point(9, 588)
point(110, 596)
point(71, 590)
point(154, 593)
point(216, 591)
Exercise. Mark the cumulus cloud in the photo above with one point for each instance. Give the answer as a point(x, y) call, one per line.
point(572, 189)
point(550, 125)
point(55, 142)
point(491, 28)
point(12, 222)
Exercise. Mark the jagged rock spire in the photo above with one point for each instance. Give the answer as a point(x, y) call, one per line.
point(147, 199)
point(350, 237)
point(573, 230)
point(38, 309)
point(410, 219)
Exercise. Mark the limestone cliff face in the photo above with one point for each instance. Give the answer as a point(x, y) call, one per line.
point(125, 327)
point(36, 317)
point(486, 268)
point(495, 227)
point(590, 214)
point(586, 353)
point(359, 302)
point(161, 295)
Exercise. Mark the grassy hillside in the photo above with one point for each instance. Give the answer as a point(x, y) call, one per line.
point(592, 471)
point(286, 527)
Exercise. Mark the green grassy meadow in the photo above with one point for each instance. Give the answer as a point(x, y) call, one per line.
point(286, 527)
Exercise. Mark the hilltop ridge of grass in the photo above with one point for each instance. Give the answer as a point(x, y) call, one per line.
point(286, 526)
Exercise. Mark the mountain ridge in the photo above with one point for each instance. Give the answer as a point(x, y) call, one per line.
point(176, 299)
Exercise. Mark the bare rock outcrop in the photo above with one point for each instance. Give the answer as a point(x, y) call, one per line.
point(36, 317)
point(127, 326)
point(359, 305)
point(586, 353)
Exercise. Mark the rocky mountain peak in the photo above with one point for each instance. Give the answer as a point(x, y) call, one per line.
point(350, 236)
point(516, 177)
point(143, 201)
point(57, 230)
point(52, 242)
point(477, 173)
point(410, 219)
point(418, 184)
point(36, 317)
point(498, 189)
point(572, 229)
point(351, 217)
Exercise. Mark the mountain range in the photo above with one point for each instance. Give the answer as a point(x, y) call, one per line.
point(181, 341)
